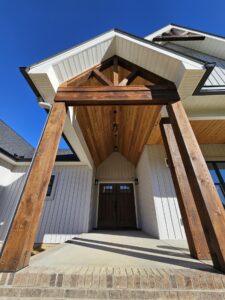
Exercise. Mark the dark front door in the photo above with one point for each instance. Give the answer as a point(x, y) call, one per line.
point(116, 206)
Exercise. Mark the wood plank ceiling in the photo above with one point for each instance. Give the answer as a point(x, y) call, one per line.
point(206, 132)
point(116, 128)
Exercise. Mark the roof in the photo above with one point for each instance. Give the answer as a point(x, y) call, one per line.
point(15, 146)
point(206, 46)
point(13, 143)
point(46, 76)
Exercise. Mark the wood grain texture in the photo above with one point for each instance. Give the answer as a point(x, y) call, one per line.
point(134, 126)
point(195, 235)
point(116, 95)
point(19, 242)
point(207, 200)
point(206, 132)
point(134, 122)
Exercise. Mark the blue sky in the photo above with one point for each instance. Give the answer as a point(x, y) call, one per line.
point(32, 30)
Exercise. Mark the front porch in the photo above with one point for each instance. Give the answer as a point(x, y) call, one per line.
point(116, 105)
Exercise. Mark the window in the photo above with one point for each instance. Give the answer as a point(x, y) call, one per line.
point(217, 171)
point(107, 189)
point(124, 188)
point(51, 187)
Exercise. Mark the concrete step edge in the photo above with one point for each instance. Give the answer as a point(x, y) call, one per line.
point(60, 293)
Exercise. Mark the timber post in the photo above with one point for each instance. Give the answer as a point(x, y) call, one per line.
point(193, 228)
point(207, 200)
point(19, 242)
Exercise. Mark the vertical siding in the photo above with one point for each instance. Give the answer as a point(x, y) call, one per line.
point(159, 211)
point(68, 212)
point(146, 206)
point(157, 199)
point(9, 197)
point(63, 216)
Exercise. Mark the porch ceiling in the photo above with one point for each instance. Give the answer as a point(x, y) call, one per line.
point(116, 128)
point(206, 132)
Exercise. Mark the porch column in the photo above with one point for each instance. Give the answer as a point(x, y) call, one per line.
point(19, 242)
point(208, 203)
point(193, 228)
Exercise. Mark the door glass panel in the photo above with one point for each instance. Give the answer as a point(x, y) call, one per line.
point(107, 189)
point(221, 167)
point(213, 173)
point(124, 188)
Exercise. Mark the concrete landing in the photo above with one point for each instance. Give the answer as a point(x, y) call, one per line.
point(124, 248)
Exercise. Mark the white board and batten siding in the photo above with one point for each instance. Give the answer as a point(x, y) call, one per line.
point(160, 214)
point(158, 206)
point(64, 215)
point(68, 212)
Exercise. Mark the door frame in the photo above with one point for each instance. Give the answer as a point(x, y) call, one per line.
point(112, 182)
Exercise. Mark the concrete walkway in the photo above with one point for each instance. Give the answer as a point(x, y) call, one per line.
point(114, 265)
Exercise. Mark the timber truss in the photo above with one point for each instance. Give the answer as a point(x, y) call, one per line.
point(201, 208)
point(150, 89)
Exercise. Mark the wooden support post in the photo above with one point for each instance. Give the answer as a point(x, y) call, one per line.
point(195, 235)
point(207, 200)
point(19, 242)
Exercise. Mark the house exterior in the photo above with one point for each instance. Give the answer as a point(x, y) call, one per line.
point(121, 171)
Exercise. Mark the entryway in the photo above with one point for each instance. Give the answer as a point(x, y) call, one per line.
point(116, 209)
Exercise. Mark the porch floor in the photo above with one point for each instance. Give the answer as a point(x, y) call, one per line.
point(116, 248)
point(115, 265)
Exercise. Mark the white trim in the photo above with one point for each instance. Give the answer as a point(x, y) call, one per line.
point(27, 163)
point(118, 181)
point(205, 118)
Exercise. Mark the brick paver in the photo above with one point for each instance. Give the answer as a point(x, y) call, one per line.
point(114, 283)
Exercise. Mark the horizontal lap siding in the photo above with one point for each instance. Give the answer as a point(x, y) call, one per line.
point(63, 216)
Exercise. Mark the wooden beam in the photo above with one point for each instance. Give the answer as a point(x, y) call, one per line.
point(129, 78)
point(207, 200)
point(156, 79)
point(102, 78)
point(17, 248)
point(173, 38)
point(195, 235)
point(115, 71)
point(117, 95)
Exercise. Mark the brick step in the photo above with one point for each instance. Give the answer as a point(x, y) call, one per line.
point(106, 278)
point(11, 293)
